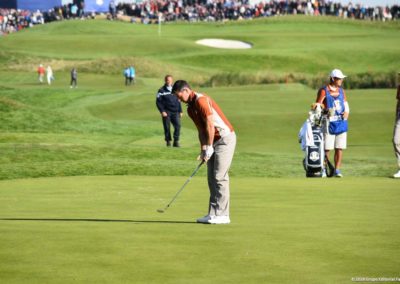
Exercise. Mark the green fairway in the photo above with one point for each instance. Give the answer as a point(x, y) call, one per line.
point(82, 171)
point(107, 230)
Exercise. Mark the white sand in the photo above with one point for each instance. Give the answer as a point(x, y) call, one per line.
point(224, 43)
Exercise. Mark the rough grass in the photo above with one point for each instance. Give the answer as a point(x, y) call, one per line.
point(55, 131)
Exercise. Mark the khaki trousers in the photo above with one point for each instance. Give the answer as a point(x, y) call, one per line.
point(218, 177)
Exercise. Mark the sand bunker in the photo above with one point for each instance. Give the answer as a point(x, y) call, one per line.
point(224, 43)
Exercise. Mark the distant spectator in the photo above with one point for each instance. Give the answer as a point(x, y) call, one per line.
point(132, 75)
point(127, 76)
point(74, 78)
point(50, 75)
point(1, 22)
point(41, 72)
point(74, 10)
point(112, 9)
point(81, 10)
point(171, 111)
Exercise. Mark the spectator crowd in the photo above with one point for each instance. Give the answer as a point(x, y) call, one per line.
point(12, 20)
point(220, 10)
point(149, 11)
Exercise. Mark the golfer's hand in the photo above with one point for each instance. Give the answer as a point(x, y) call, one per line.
point(181, 114)
point(206, 153)
point(164, 114)
point(345, 115)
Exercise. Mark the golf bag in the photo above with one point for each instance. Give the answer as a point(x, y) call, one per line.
point(311, 137)
point(314, 161)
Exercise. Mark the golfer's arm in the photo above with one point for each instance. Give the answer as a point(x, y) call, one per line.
point(202, 137)
point(206, 134)
point(209, 132)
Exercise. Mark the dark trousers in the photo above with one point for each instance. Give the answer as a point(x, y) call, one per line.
point(73, 82)
point(175, 119)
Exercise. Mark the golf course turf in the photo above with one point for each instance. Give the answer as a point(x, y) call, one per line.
point(83, 171)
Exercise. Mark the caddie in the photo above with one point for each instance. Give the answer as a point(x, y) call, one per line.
point(333, 97)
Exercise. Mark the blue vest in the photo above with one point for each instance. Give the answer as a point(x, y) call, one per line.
point(335, 102)
point(337, 124)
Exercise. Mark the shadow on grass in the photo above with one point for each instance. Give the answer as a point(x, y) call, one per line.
point(95, 220)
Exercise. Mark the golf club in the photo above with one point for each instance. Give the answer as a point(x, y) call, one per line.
point(179, 191)
point(330, 169)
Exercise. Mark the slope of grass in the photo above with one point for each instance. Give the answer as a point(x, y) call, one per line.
point(290, 45)
point(55, 131)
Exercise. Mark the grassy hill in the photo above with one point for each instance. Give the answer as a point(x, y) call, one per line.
point(300, 45)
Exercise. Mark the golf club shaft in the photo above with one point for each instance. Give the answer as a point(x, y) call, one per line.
point(187, 181)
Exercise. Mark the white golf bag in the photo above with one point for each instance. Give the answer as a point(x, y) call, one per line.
point(311, 137)
point(315, 155)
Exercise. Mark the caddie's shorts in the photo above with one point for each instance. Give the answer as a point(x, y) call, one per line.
point(335, 141)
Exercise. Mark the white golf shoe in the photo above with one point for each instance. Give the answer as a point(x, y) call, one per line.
point(397, 175)
point(219, 220)
point(205, 219)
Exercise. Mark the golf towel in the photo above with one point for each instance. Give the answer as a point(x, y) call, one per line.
point(306, 137)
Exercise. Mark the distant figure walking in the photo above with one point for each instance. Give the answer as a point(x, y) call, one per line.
point(50, 75)
point(171, 111)
point(41, 72)
point(132, 75)
point(74, 78)
point(396, 132)
point(127, 76)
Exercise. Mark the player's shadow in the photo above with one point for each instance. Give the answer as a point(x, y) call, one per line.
point(96, 220)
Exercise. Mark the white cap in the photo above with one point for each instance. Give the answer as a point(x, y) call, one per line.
point(336, 73)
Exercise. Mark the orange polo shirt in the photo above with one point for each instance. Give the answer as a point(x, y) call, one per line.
point(201, 106)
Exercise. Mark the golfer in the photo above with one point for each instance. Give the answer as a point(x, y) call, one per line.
point(334, 99)
point(171, 111)
point(217, 142)
point(396, 132)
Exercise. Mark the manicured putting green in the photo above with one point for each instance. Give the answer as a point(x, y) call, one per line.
point(107, 230)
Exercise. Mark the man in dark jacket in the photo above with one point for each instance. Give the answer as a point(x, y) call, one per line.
point(74, 78)
point(171, 111)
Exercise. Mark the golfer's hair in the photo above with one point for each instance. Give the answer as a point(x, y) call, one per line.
point(179, 86)
point(167, 76)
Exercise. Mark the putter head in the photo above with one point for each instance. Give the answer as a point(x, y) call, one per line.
point(160, 210)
